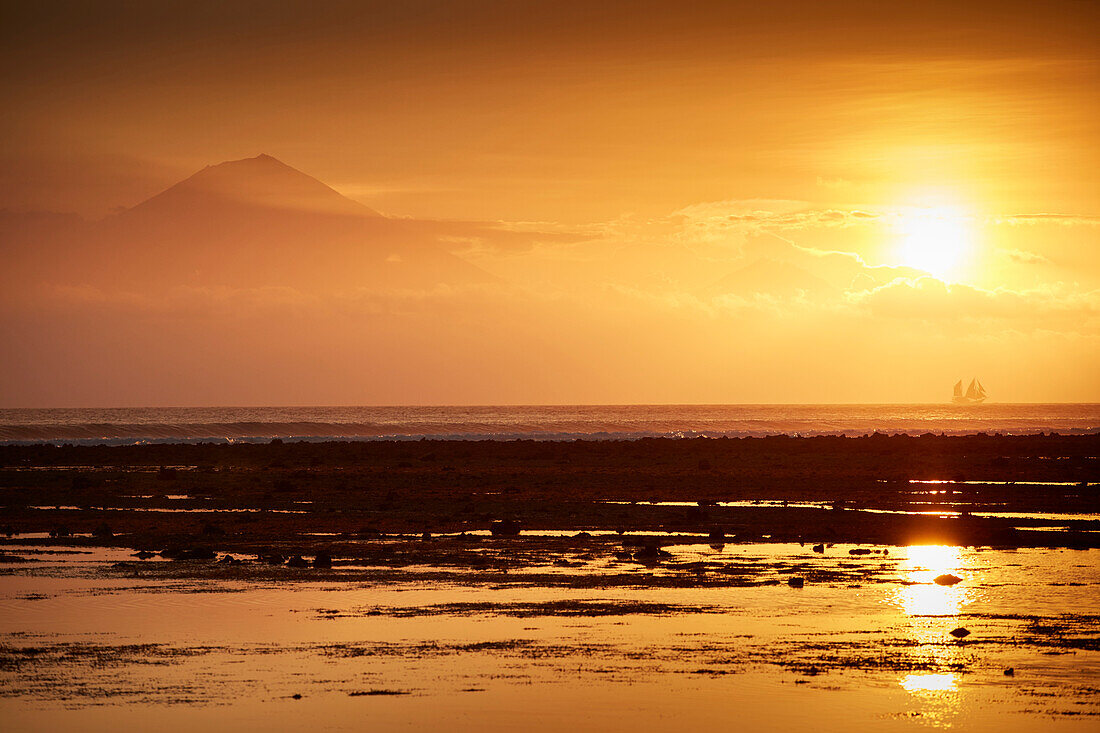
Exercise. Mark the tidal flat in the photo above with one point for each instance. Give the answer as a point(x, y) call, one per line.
point(760, 584)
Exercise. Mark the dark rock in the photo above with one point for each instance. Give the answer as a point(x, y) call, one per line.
point(582, 536)
point(144, 554)
point(947, 579)
point(61, 531)
point(1010, 672)
point(189, 553)
point(859, 551)
point(696, 514)
point(960, 633)
point(505, 528)
point(209, 529)
point(819, 548)
point(297, 562)
point(322, 560)
point(651, 552)
point(796, 582)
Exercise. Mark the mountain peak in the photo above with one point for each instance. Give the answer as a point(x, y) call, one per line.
point(262, 181)
point(258, 162)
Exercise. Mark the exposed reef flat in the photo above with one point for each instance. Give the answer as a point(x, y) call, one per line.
point(286, 499)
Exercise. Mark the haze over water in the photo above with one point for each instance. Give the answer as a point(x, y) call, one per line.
point(556, 422)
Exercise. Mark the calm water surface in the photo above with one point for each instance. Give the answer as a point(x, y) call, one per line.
point(111, 652)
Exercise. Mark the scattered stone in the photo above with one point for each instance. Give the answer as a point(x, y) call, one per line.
point(1010, 672)
point(819, 548)
point(322, 560)
point(144, 554)
point(859, 551)
point(947, 579)
point(297, 562)
point(796, 582)
point(960, 633)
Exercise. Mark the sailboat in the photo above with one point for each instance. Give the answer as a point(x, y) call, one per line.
point(975, 393)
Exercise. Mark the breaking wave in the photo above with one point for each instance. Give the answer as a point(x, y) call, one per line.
point(254, 424)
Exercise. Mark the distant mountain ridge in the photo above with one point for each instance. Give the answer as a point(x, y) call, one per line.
point(246, 224)
point(262, 181)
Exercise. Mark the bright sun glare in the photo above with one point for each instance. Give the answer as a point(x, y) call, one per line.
point(935, 240)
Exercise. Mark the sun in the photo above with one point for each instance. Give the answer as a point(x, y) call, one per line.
point(937, 241)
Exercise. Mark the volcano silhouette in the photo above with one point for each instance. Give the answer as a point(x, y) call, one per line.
point(238, 187)
point(258, 222)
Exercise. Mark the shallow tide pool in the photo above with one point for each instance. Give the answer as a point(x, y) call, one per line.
point(83, 646)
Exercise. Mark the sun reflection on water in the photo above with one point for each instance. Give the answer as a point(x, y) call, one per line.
point(930, 612)
point(929, 682)
point(922, 564)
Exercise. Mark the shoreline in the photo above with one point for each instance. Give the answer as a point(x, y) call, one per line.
point(541, 437)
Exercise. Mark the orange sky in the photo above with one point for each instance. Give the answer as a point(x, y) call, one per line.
point(663, 202)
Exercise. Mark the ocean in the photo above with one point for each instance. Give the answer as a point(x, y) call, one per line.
point(587, 422)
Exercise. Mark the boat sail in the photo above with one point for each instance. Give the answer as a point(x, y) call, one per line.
point(975, 393)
